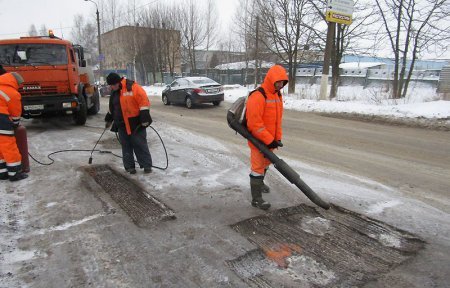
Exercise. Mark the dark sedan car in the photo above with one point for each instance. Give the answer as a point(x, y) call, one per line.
point(193, 90)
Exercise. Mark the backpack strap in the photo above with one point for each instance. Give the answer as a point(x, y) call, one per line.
point(260, 90)
point(129, 84)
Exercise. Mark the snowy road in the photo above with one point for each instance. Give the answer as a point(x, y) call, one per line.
point(414, 161)
point(56, 231)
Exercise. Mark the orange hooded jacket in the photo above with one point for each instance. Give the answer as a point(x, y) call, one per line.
point(264, 115)
point(10, 98)
point(132, 102)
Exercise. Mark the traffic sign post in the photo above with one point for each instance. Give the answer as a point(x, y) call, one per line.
point(338, 11)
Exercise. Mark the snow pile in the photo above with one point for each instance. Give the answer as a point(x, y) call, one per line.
point(154, 90)
point(419, 103)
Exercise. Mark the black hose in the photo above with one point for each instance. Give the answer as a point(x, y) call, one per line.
point(100, 151)
point(69, 150)
point(165, 151)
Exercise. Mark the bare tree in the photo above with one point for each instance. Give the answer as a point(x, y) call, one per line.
point(131, 16)
point(412, 27)
point(161, 50)
point(244, 21)
point(85, 34)
point(43, 30)
point(211, 26)
point(32, 30)
point(111, 17)
point(281, 23)
point(192, 26)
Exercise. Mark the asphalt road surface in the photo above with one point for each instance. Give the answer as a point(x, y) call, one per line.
point(59, 228)
point(415, 161)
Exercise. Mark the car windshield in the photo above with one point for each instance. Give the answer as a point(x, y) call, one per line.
point(33, 54)
point(204, 81)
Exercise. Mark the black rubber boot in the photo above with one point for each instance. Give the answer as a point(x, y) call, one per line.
point(256, 186)
point(131, 170)
point(18, 176)
point(147, 170)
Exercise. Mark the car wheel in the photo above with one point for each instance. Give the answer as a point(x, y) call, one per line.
point(189, 102)
point(216, 103)
point(165, 100)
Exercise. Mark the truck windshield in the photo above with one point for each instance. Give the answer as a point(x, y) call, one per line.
point(33, 54)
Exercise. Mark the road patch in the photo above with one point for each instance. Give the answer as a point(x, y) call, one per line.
point(303, 246)
point(143, 208)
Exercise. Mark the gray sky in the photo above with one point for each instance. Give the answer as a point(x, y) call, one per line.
point(18, 15)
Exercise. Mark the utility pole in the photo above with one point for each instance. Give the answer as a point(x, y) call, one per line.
point(326, 61)
point(256, 52)
point(100, 55)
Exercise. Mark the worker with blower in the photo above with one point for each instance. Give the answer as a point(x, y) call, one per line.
point(10, 112)
point(264, 112)
point(129, 115)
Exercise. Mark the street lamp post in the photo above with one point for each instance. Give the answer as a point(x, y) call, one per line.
point(100, 56)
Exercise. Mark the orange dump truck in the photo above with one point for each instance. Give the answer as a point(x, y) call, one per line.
point(56, 78)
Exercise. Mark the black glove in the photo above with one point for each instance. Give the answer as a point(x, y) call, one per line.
point(145, 118)
point(108, 117)
point(273, 144)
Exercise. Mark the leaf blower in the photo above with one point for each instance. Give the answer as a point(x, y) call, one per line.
point(279, 164)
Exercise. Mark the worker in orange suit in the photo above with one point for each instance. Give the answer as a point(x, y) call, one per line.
point(129, 110)
point(264, 113)
point(10, 111)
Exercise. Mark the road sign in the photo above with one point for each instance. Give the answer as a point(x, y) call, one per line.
point(340, 11)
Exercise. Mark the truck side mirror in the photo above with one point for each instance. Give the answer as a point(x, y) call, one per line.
point(83, 63)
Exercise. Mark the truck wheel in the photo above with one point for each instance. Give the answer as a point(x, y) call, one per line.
point(96, 107)
point(80, 116)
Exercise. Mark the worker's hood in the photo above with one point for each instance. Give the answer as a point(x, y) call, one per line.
point(8, 79)
point(275, 73)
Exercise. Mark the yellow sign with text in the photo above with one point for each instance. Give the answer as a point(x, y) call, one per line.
point(341, 18)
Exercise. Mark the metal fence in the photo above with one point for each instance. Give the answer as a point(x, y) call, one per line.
point(361, 77)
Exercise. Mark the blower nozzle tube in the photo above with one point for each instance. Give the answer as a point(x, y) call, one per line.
point(278, 163)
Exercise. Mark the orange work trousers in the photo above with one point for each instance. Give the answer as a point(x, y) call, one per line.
point(10, 154)
point(258, 162)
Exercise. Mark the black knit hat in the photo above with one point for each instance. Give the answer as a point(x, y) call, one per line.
point(113, 78)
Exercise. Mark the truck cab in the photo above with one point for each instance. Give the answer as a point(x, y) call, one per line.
point(56, 78)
